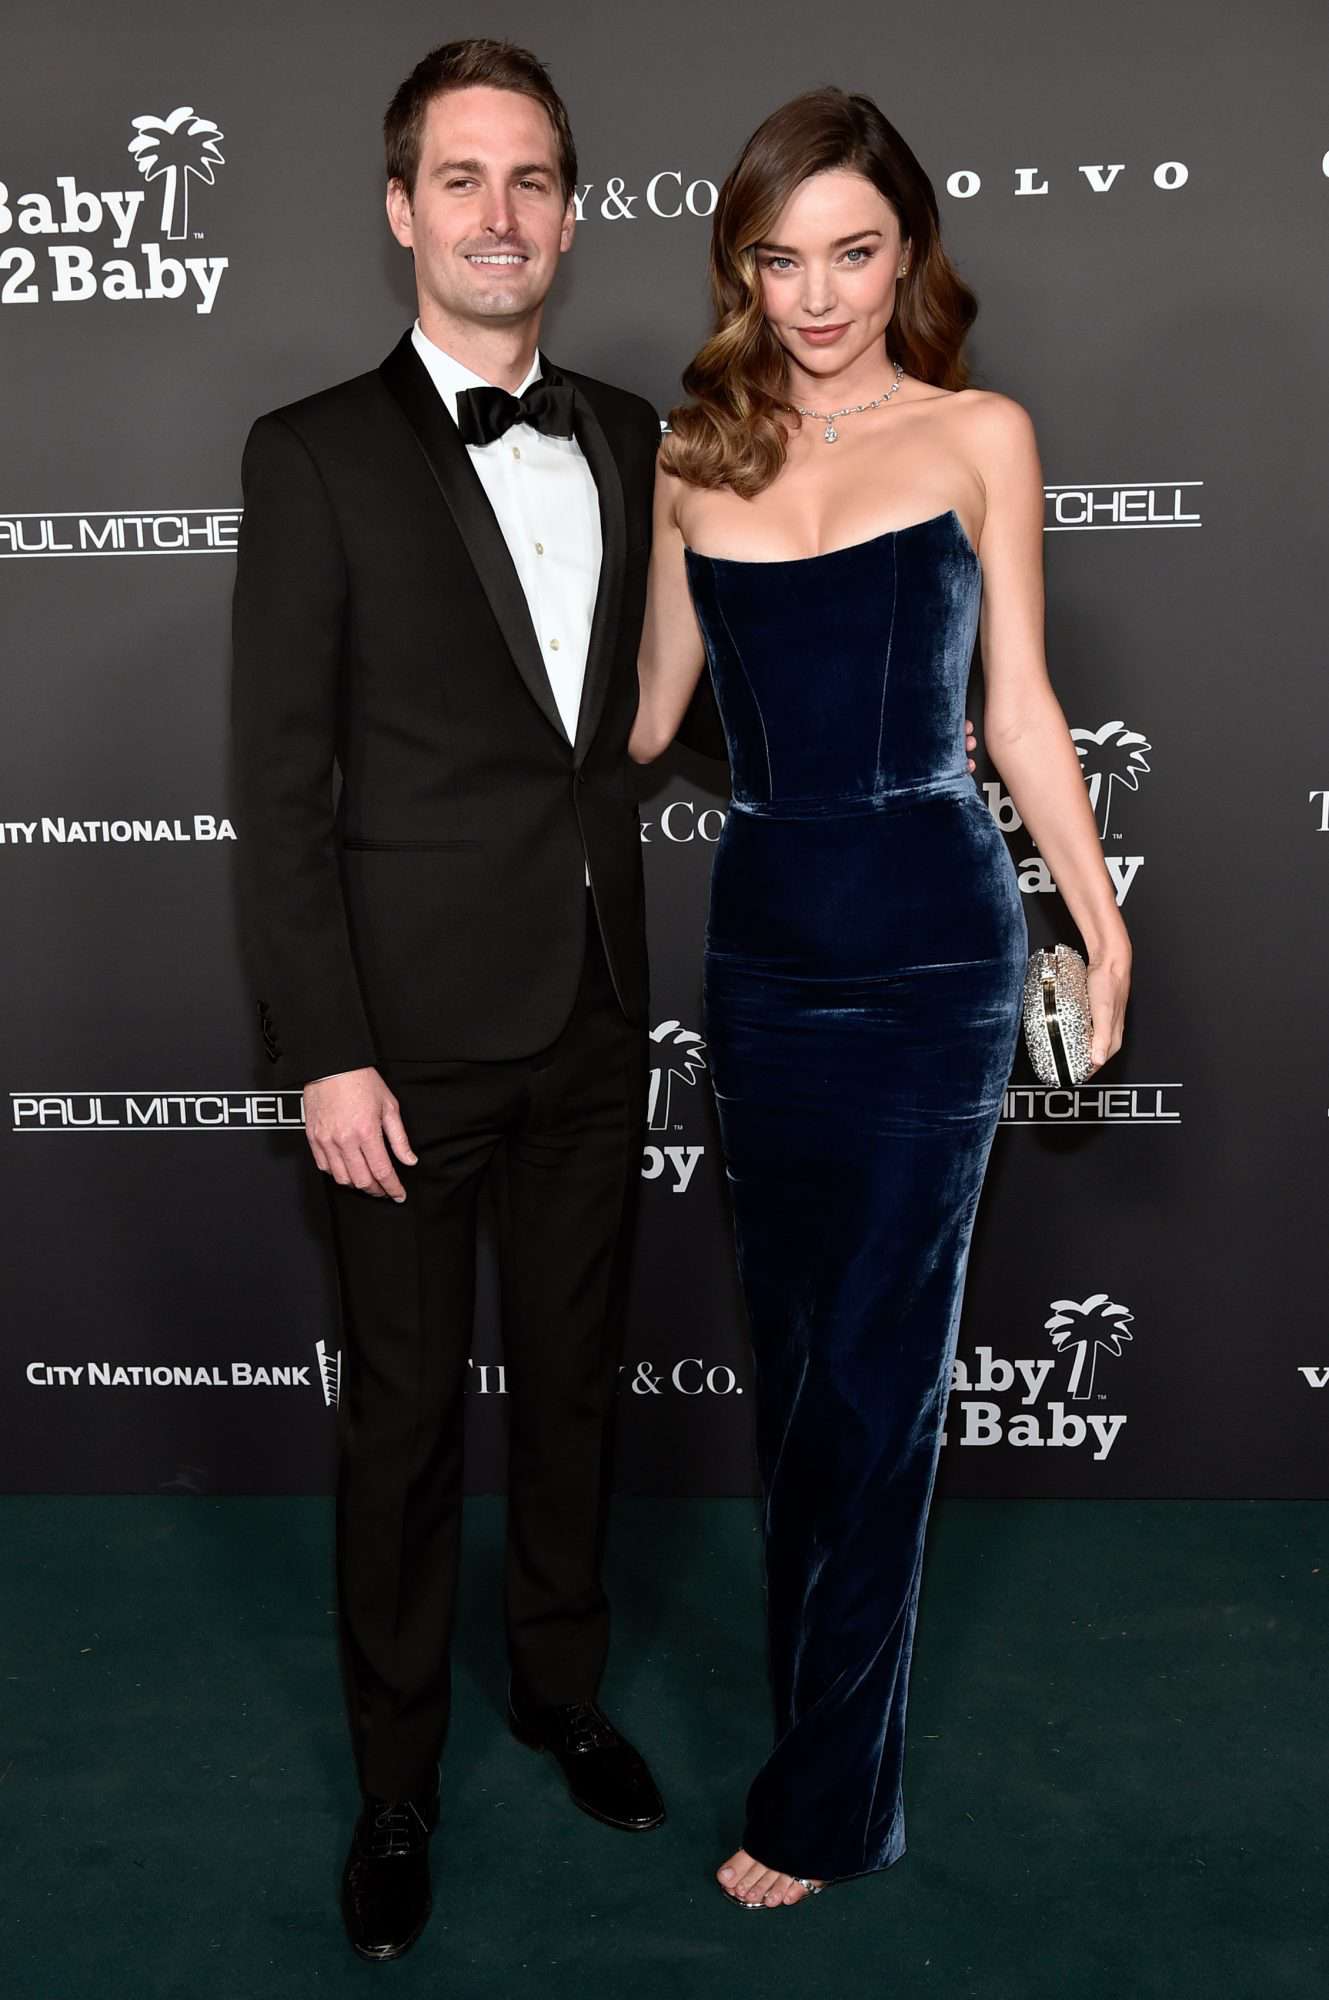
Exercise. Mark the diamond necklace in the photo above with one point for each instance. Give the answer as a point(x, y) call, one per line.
point(851, 409)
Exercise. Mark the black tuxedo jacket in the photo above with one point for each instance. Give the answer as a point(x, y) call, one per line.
point(380, 628)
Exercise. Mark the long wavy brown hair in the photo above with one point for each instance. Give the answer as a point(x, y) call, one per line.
point(733, 431)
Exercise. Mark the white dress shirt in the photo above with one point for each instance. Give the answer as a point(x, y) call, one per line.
point(545, 500)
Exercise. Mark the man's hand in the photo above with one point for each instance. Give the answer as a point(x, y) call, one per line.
point(970, 740)
point(347, 1119)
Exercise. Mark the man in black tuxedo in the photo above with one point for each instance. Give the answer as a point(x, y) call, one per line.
point(441, 579)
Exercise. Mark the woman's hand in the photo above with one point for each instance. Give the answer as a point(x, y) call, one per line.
point(1109, 984)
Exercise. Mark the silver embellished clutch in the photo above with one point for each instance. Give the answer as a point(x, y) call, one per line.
point(1058, 1028)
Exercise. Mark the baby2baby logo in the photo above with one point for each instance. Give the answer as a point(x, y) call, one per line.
point(1113, 758)
point(679, 1063)
point(170, 153)
point(1080, 1330)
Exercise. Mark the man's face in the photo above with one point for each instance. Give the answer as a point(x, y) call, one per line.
point(488, 221)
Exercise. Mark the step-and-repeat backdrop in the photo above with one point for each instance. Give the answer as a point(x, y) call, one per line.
point(191, 231)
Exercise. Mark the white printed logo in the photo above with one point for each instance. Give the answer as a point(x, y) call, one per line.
point(689, 1063)
point(1110, 504)
point(682, 822)
point(1085, 1330)
point(329, 1372)
point(675, 192)
point(165, 1375)
point(679, 1066)
point(156, 1111)
point(1111, 756)
point(175, 150)
point(164, 531)
point(57, 831)
point(1039, 1104)
point(1080, 1329)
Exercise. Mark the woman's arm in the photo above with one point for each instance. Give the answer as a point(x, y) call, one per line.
point(672, 655)
point(1024, 728)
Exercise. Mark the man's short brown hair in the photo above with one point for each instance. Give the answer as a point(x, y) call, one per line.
point(459, 66)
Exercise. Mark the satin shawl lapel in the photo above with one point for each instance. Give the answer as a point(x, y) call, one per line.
point(407, 380)
point(613, 560)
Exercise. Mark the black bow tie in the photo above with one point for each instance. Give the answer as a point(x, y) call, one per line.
point(484, 414)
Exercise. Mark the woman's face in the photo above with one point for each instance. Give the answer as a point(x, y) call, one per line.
point(829, 274)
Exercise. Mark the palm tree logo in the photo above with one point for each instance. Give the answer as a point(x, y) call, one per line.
point(1112, 755)
point(1083, 1327)
point(177, 147)
point(329, 1373)
point(664, 1074)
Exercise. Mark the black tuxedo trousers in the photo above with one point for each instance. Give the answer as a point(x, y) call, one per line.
point(561, 1132)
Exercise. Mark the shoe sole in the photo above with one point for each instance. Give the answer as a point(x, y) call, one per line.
point(740, 1903)
point(397, 1951)
point(394, 1951)
point(622, 1825)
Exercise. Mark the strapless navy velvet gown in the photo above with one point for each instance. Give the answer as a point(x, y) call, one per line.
point(865, 955)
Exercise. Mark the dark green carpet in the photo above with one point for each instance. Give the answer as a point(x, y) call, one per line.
point(1116, 1780)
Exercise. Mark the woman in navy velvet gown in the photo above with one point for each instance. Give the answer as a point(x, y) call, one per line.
point(838, 516)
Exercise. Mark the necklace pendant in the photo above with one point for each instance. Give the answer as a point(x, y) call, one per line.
point(830, 433)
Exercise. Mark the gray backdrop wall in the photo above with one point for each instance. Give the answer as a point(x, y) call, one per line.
point(1138, 196)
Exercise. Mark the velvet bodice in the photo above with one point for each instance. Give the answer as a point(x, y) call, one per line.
point(841, 678)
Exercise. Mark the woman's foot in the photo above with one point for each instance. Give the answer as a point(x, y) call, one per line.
point(747, 1881)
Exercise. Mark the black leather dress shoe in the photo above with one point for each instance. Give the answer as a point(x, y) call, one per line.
point(385, 1894)
point(607, 1778)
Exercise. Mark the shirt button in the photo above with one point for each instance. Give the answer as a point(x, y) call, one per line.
point(516, 451)
point(539, 548)
point(553, 645)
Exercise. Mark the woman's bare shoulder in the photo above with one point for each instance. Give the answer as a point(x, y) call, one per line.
point(995, 415)
point(996, 435)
